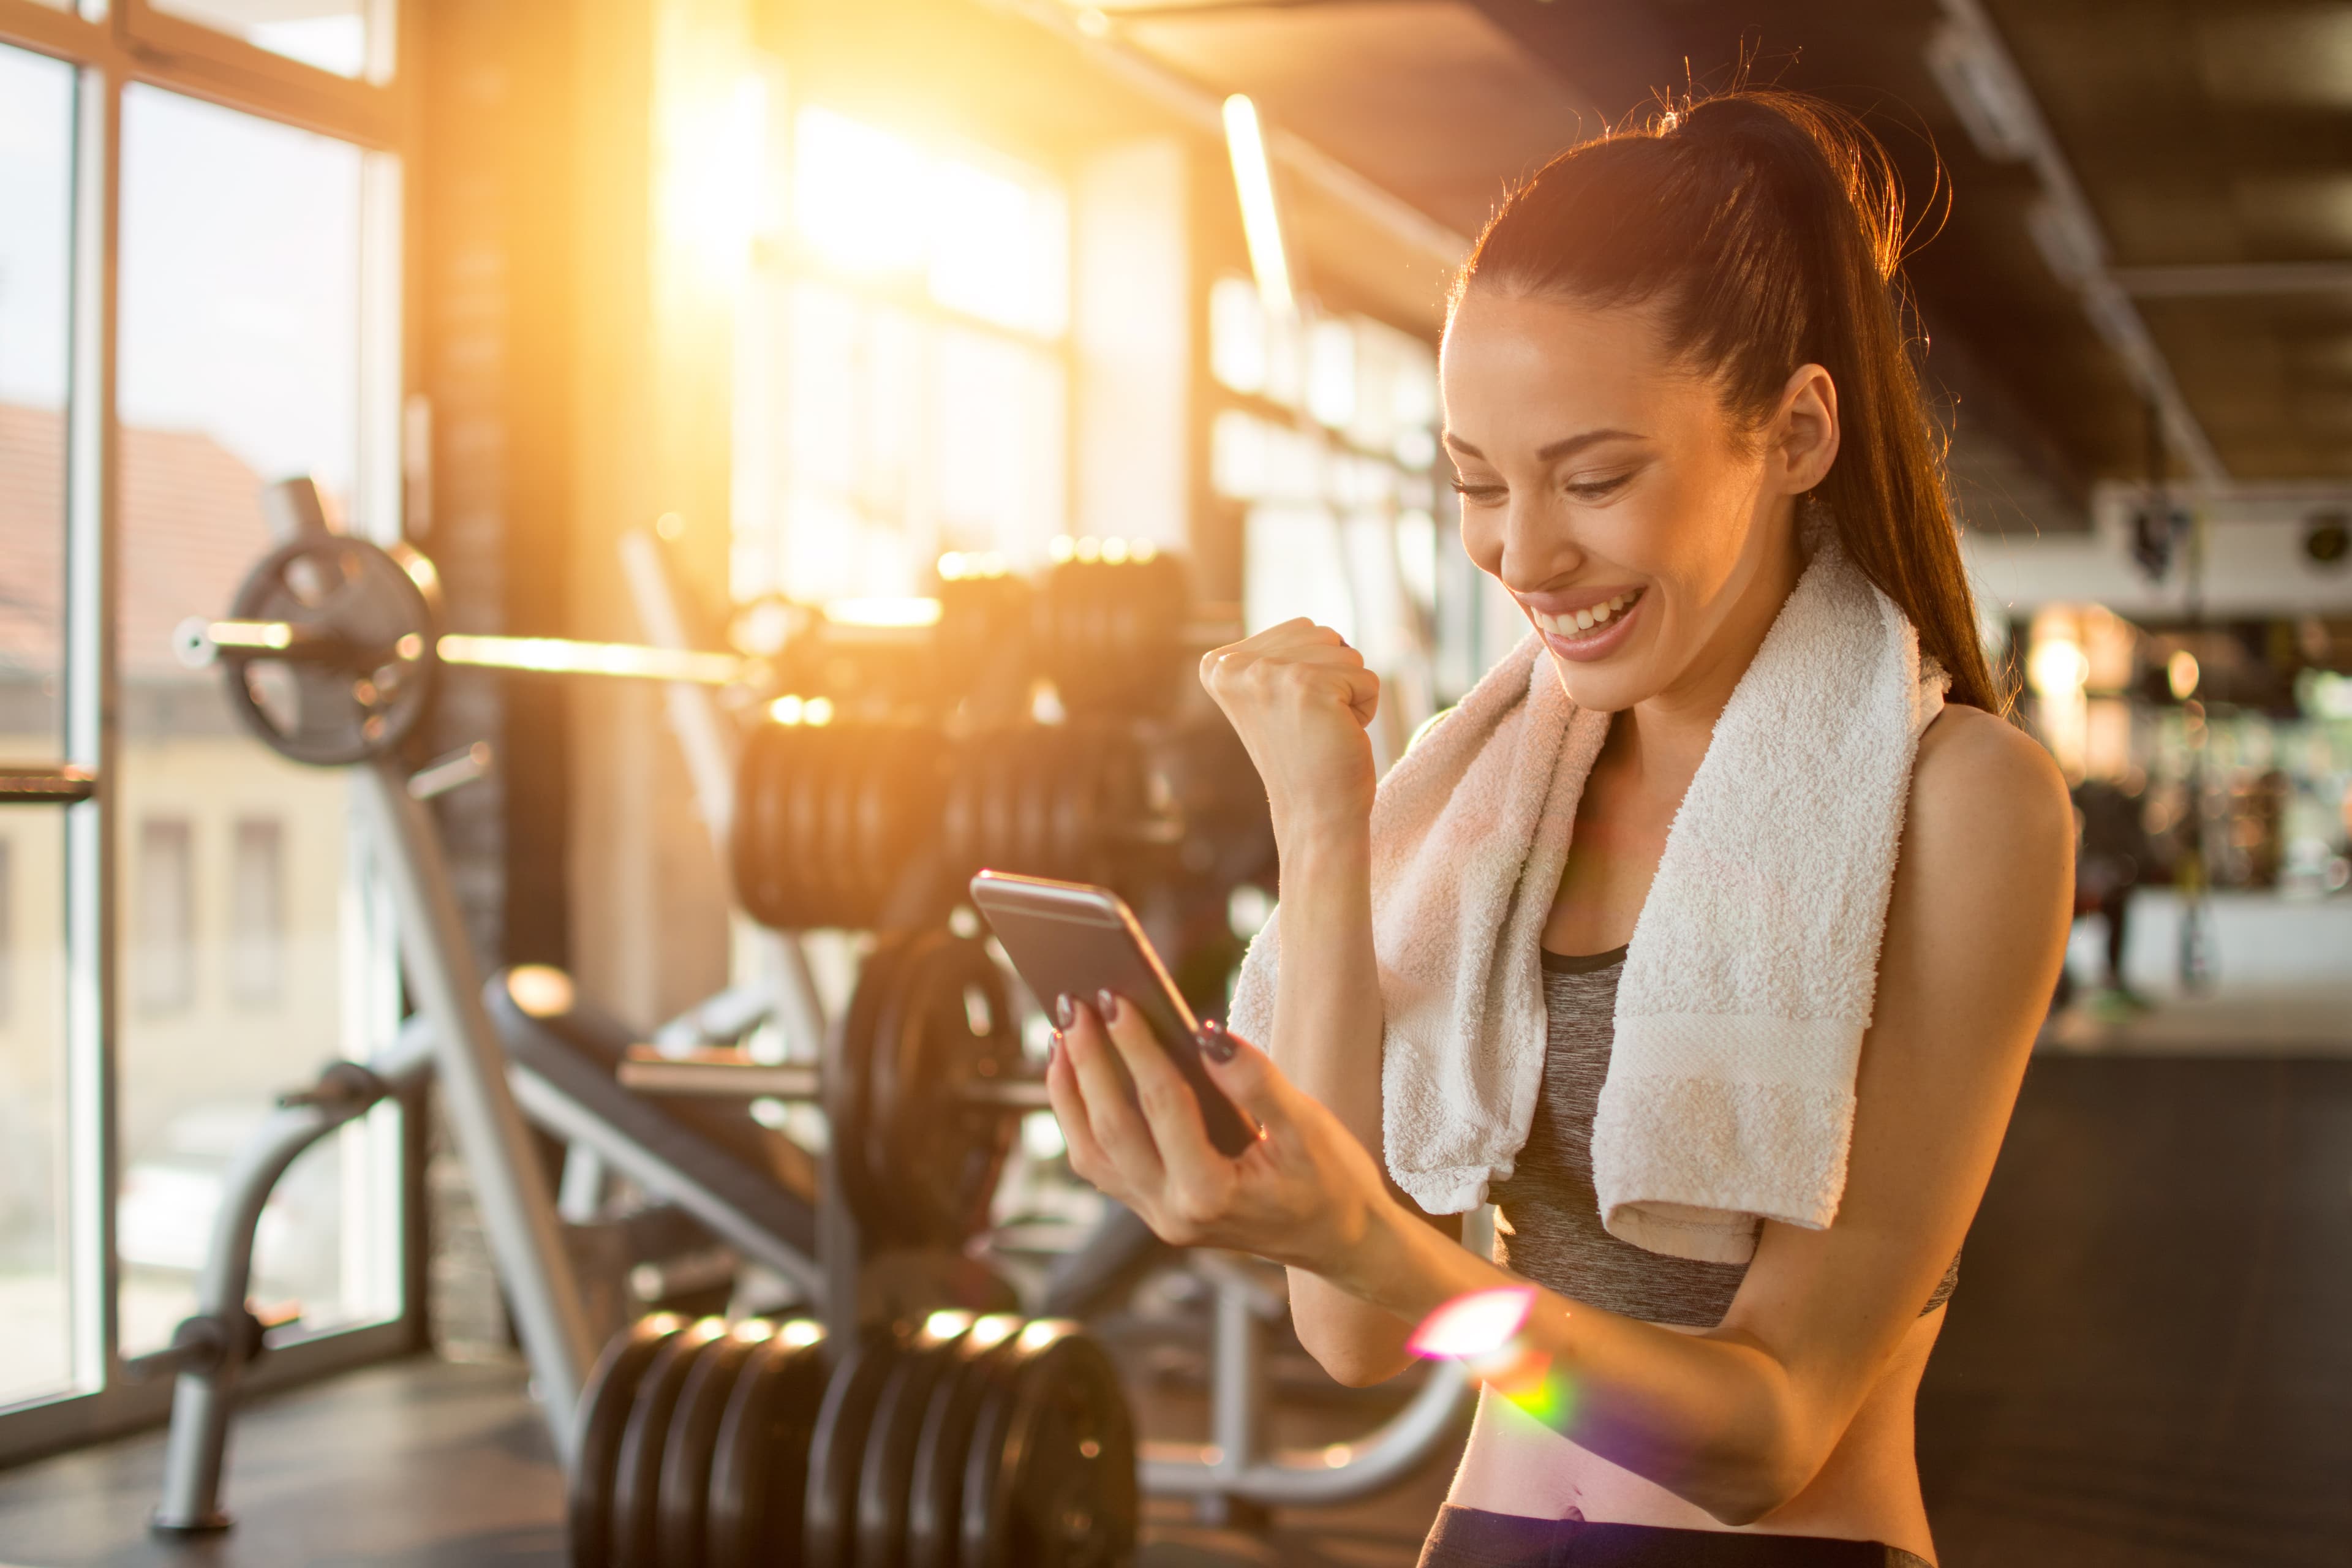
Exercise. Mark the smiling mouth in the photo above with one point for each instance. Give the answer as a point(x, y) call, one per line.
point(1580, 623)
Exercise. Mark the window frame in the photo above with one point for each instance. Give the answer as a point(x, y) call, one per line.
point(135, 43)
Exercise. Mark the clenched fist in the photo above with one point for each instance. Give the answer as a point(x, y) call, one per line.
point(1301, 699)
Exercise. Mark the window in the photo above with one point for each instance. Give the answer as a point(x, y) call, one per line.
point(257, 913)
point(164, 914)
point(903, 386)
point(243, 268)
point(245, 290)
point(349, 37)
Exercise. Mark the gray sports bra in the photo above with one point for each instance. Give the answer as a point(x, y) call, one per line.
point(1548, 1225)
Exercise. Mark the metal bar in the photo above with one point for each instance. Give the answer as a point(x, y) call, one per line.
point(205, 1397)
point(33, 784)
point(725, 1072)
point(1339, 1471)
point(518, 1210)
point(721, 1073)
point(747, 1211)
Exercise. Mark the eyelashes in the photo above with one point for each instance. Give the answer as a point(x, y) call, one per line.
point(1588, 491)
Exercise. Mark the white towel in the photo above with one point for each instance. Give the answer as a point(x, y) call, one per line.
point(1740, 1013)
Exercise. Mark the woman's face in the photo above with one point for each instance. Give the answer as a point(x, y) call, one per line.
point(1606, 488)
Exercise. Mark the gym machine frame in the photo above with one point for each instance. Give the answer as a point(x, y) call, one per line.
point(487, 1095)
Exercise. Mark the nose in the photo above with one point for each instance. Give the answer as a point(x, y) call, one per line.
point(1536, 547)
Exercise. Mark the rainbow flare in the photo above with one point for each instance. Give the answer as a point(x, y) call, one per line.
point(1483, 1331)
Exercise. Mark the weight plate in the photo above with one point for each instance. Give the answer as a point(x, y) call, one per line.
point(636, 1478)
point(373, 665)
point(683, 1495)
point(837, 1450)
point(935, 1484)
point(847, 1091)
point(1050, 1477)
point(931, 1155)
point(759, 1472)
point(604, 1416)
point(890, 1438)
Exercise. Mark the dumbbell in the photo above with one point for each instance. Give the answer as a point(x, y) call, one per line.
point(956, 1442)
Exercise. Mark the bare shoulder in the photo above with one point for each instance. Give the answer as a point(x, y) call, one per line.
point(1990, 823)
point(1976, 770)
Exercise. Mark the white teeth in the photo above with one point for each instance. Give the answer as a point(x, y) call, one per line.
point(1576, 621)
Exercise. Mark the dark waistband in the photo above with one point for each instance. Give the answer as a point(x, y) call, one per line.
point(1474, 1538)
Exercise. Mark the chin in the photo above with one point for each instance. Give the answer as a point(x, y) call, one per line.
point(1603, 690)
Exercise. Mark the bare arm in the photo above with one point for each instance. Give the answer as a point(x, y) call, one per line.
point(1738, 1419)
point(1301, 687)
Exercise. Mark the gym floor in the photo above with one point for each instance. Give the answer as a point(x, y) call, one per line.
point(2147, 1365)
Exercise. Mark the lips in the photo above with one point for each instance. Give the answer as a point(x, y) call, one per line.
point(1573, 624)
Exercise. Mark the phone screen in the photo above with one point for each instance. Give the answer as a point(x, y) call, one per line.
point(1073, 938)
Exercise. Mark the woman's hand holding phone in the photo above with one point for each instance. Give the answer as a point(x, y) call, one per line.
point(1306, 1193)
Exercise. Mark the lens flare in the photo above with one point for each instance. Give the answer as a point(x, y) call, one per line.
point(1477, 1324)
point(1482, 1331)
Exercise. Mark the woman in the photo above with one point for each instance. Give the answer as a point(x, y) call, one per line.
point(1668, 349)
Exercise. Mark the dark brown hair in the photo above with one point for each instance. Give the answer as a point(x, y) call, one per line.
point(1768, 228)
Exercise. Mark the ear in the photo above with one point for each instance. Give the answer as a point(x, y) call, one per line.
point(1805, 432)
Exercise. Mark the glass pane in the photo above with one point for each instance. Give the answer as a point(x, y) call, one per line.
point(243, 960)
point(35, 252)
point(35, 1300)
point(349, 37)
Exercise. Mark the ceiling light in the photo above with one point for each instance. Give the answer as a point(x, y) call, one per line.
point(1261, 220)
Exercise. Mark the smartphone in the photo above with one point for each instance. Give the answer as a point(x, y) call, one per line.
point(1073, 938)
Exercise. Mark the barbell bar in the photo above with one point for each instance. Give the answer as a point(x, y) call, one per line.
point(200, 642)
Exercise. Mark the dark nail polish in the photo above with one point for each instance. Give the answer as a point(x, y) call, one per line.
point(1215, 1044)
point(1106, 1003)
point(1065, 1011)
point(1052, 1048)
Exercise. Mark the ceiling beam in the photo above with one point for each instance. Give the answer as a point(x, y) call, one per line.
point(2235, 280)
point(2072, 239)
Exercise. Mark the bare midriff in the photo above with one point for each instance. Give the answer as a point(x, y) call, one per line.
point(1868, 1489)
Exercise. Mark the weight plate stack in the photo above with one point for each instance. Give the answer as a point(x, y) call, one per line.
point(604, 1416)
point(681, 1502)
point(894, 1433)
point(637, 1538)
point(758, 1469)
point(1109, 634)
point(935, 1480)
point(837, 1449)
point(926, 1158)
point(827, 818)
point(1049, 1475)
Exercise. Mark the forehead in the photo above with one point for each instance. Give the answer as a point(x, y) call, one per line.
point(1517, 367)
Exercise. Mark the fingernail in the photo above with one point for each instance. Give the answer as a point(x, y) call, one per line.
point(1052, 1048)
point(1215, 1044)
point(1106, 1003)
point(1065, 1011)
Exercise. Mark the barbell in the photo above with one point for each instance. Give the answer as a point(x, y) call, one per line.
point(333, 649)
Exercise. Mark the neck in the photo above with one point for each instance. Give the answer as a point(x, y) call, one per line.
point(1666, 735)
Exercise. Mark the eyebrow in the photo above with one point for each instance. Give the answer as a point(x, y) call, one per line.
point(1566, 446)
